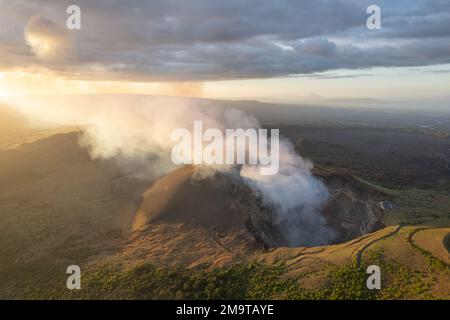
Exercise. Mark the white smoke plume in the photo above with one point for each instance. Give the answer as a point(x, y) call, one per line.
point(297, 197)
point(137, 130)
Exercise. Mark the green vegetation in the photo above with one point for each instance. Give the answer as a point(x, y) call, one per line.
point(398, 281)
point(150, 282)
point(243, 281)
point(433, 261)
point(419, 208)
point(348, 282)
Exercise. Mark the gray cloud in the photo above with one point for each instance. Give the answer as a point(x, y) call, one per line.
point(46, 39)
point(214, 39)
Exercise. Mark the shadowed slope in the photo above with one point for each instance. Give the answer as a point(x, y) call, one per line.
point(189, 221)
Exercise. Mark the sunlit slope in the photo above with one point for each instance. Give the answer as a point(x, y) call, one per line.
point(412, 267)
point(183, 220)
point(58, 207)
point(15, 129)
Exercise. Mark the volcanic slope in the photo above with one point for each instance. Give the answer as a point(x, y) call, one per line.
point(59, 207)
point(16, 129)
point(192, 222)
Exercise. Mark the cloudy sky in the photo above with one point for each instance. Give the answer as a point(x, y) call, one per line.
point(227, 49)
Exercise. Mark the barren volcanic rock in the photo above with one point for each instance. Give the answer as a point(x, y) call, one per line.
point(353, 207)
point(185, 220)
